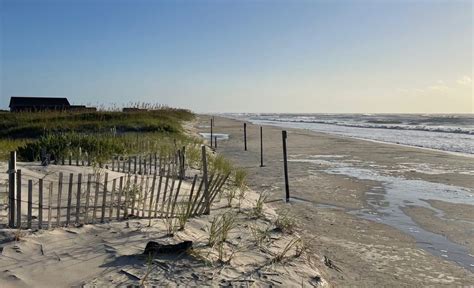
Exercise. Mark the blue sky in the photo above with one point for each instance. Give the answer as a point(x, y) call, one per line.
point(242, 56)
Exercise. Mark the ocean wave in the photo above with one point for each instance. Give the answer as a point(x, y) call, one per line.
point(378, 124)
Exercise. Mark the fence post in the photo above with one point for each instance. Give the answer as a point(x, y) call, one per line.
point(119, 197)
point(285, 164)
point(140, 164)
point(134, 165)
point(69, 199)
point(245, 136)
point(88, 193)
point(30, 203)
point(261, 146)
point(183, 163)
point(60, 191)
point(104, 198)
point(78, 197)
point(215, 142)
point(50, 203)
point(18, 199)
point(11, 189)
point(40, 204)
point(206, 184)
point(212, 124)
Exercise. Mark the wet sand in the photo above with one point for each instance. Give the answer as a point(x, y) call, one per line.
point(345, 192)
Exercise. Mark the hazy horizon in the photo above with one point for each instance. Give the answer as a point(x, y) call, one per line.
point(242, 56)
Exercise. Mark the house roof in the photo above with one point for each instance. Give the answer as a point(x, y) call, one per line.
point(38, 101)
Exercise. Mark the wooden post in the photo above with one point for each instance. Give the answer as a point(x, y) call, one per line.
point(190, 200)
point(196, 198)
point(175, 198)
point(215, 142)
point(96, 197)
point(166, 189)
point(134, 165)
point(150, 160)
point(112, 196)
point(261, 146)
point(145, 197)
point(88, 193)
point(11, 189)
point(127, 191)
point(50, 204)
point(173, 179)
point(129, 164)
point(69, 199)
point(104, 198)
point(245, 136)
point(119, 200)
point(156, 160)
point(40, 204)
point(78, 197)
point(158, 192)
point(140, 196)
point(152, 194)
point(285, 164)
point(113, 163)
point(135, 181)
point(212, 124)
point(18, 198)
point(30, 203)
point(206, 184)
point(139, 164)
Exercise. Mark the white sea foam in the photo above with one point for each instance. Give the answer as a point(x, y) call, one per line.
point(451, 133)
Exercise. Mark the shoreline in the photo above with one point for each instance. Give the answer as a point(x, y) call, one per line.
point(309, 181)
point(259, 122)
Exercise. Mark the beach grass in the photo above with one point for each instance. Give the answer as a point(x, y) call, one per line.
point(99, 133)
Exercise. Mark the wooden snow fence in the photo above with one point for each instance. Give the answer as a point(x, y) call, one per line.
point(75, 199)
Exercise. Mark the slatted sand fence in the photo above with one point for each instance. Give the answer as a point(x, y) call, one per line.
point(64, 199)
point(142, 163)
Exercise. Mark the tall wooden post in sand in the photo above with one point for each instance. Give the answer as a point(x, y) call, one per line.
point(261, 146)
point(206, 184)
point(245, 136)
point(285, 164)
point(212, 124)
point(11, 189)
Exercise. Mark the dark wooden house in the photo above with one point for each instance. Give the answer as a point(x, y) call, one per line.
point(38, 103)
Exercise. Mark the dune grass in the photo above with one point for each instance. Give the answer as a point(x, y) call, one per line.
point(99, 133)
point(36, 124)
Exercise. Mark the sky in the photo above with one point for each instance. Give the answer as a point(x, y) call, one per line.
point(242, 56)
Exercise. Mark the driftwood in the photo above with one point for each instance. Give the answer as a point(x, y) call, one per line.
point(155, 248)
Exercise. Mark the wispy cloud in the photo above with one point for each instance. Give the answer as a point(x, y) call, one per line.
point(465, 80)
point(438, 88)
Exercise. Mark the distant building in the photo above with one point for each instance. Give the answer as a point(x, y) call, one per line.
point(18, 104)
point(38, 103)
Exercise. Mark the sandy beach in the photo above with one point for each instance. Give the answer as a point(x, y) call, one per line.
point(111, 254)
point(386, 215)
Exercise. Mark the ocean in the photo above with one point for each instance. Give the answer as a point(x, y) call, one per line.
point(450, 132)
